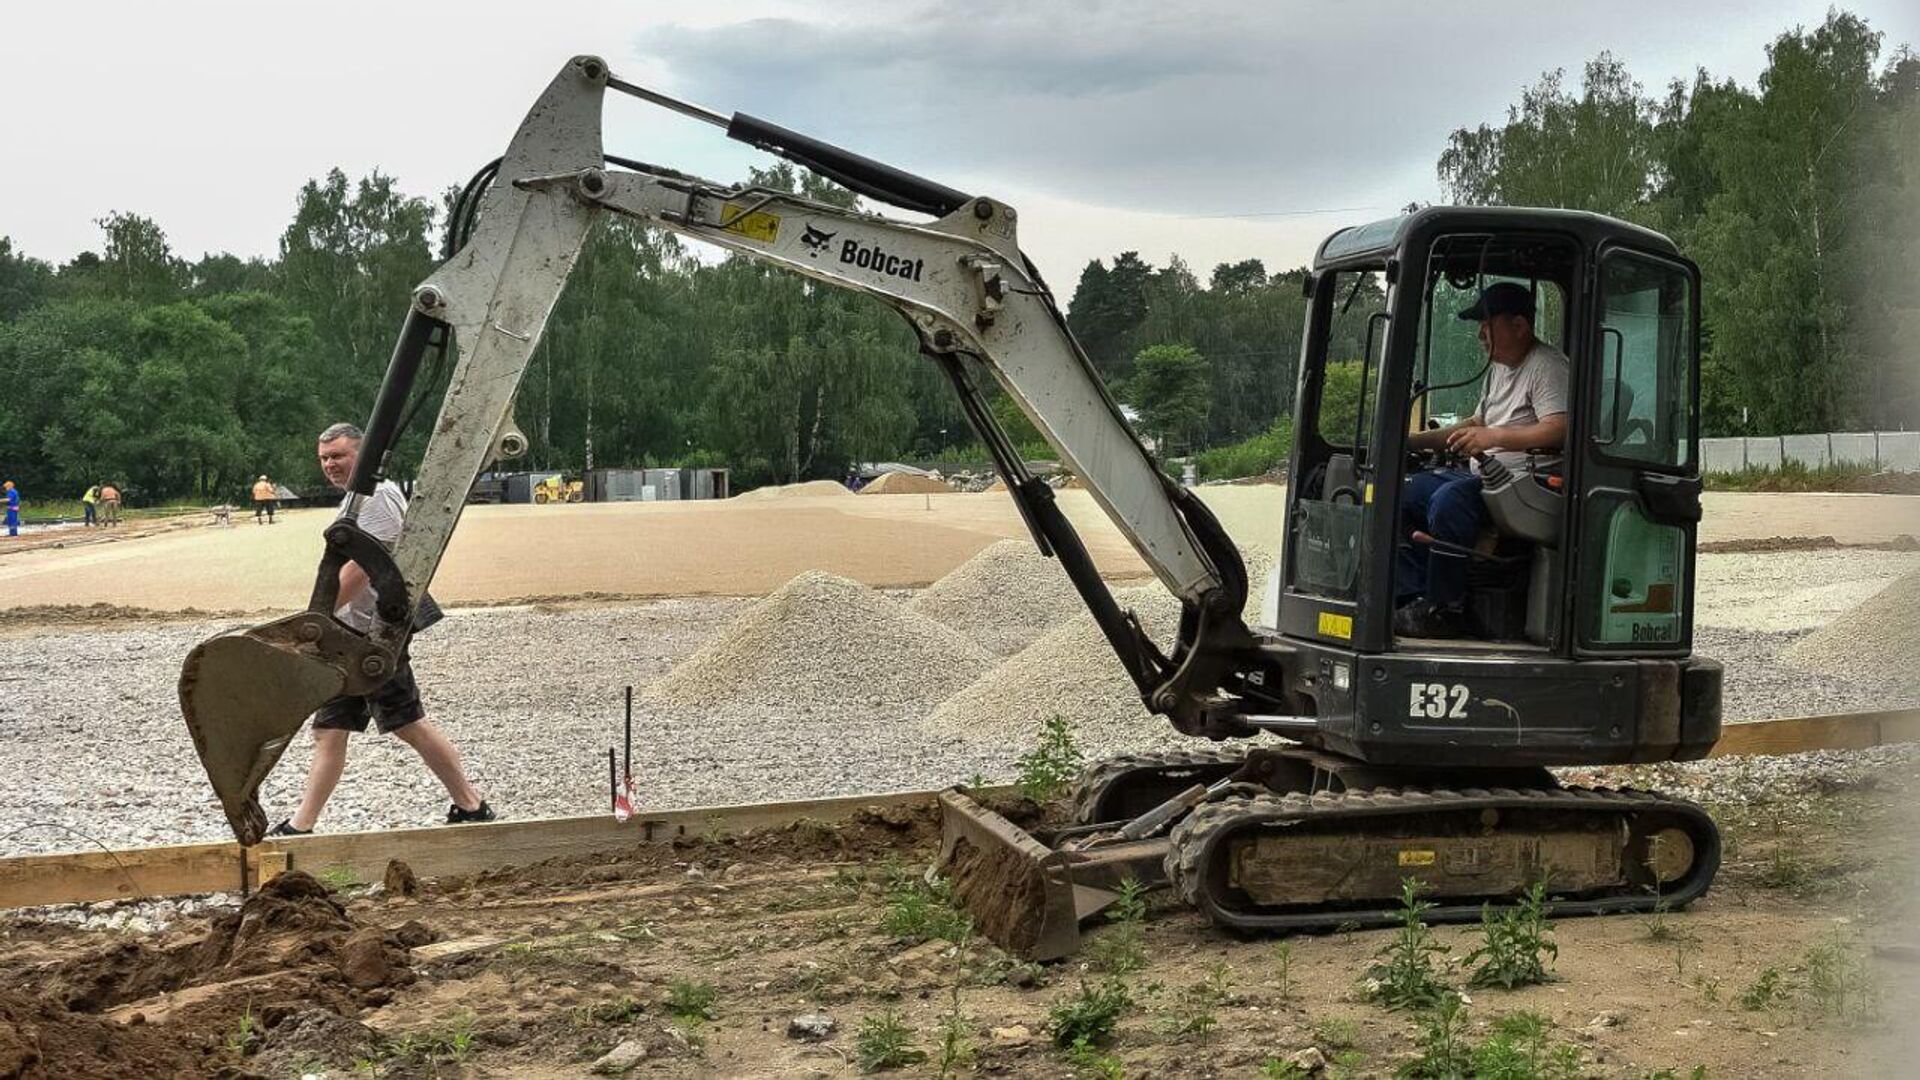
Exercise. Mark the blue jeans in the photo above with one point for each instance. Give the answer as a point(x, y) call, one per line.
point(1446, 505)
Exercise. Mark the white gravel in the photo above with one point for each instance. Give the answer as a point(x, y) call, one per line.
point(91, 739)
point(1004, 597)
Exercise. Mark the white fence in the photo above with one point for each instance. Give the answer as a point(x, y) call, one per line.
point(1892, 451)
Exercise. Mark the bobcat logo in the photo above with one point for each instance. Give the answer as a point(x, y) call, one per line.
point(816, 241)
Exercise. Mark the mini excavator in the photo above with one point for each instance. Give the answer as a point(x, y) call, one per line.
point(1380, 758)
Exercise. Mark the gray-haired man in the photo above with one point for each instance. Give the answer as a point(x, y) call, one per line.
point(395, 706)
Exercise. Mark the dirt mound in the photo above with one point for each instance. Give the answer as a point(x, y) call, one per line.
point(38, 1038)
point(803, 489)
point(1004, 597)
point(1069, 671)
point(900, 483)
point(292, 925)
point(817, 644)
point(1878, 640)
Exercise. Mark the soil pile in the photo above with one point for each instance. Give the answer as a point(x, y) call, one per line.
point(818, 643)
point(1069, 671)
point(900, 483)
point(1879, 640)
point(290, 953)
point(804, 489)
point(1004, 597)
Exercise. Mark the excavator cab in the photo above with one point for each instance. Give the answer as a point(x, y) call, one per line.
point(1580, 590)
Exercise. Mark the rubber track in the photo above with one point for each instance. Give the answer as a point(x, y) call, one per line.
point(1099, 777)
point(1197, 838)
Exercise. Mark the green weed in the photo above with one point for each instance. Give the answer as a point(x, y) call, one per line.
point(1766, 990)
point(885, 1042)
point(1090, 1015)
point(1519, 1049)
point(1839, 981)
point(1121, 949)
point(956, 1039)
point(1445, 1053)
point(920, 910)
point(338, 877)
point(1281, 1069)
point(612, 1011)
point(1337, 1033)
point(1283, 961)
point(689, 999)
point(1194, 1008)
point(1406, 975)
point(1052, 764)
point(449, 1045)
point(1514, 942)
point(1090, 1062)
point(246, 1032)
point(1788, 869)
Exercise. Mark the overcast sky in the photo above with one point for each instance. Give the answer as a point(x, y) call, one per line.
point(1217, 131)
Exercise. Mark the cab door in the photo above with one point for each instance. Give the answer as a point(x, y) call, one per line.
point(1640, 476)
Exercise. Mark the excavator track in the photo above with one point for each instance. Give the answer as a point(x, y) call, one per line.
point(1108, 789)
point(1347, 846)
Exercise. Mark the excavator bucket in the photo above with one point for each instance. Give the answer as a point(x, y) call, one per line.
point(1024, 896)
point(245, 694)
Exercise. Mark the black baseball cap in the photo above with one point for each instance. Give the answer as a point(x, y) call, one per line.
point(1501, 298)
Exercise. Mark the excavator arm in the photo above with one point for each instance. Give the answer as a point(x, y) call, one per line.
point(961, 281)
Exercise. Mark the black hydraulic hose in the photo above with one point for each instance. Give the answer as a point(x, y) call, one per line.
point(384, 424)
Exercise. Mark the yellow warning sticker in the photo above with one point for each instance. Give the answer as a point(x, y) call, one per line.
point(1369, 493)
point(1416, 857)
point(1340, 626)
point(754, 224)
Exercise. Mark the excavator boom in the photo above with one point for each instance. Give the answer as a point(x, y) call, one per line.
point(961, 281)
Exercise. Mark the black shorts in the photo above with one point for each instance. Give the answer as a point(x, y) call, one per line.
point(394, 705)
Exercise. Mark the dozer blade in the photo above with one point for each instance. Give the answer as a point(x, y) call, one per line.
point(1027, 898)
point(245, 694)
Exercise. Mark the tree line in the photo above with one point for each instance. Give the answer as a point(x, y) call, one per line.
point(1799, 196)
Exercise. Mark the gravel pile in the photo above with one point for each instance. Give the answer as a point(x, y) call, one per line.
point(818, 641)
point(1004, 597)
point(1791, 590)
point(1880, 639)
point(900, 483)
point(793, 491)
point(1069, 671)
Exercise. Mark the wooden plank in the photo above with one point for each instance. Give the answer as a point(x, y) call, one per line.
point(79, 877)
point(32, 880)
point(1794, 735)
point(465, 849)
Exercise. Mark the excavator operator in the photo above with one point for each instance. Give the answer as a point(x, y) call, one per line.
point(1521, 420)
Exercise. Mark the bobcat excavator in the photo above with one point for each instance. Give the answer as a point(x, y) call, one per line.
point(1382, 758)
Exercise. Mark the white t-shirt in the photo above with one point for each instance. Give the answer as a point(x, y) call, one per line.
point(380, 517)
point(1526, 393)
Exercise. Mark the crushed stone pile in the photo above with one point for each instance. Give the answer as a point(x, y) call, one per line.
point(819, 642)
point(793, 491)
point(901, 483)
point(1879, 639)
point(1004, 597)
point(1069, 671)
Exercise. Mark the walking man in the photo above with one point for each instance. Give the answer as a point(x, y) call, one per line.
point(87, 502)
point(395, 707)
point(263, 499)
point(13, 508)
point(109, 505)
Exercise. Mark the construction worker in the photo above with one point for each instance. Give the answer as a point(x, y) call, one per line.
point(395, 706)
point(109, 505)
point(263, 499)
point(87, 502)
point(13, 509)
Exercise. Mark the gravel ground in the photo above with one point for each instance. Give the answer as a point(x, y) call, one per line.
point(91, 740)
